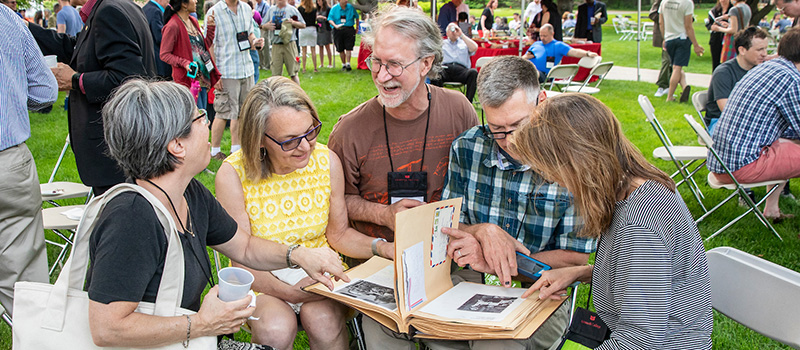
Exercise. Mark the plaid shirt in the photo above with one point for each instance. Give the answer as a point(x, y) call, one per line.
point(232, 63)
point(762, 106)
point(500, 192)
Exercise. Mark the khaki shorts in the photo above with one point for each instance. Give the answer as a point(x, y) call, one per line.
point(230, 99)
point(284, 54)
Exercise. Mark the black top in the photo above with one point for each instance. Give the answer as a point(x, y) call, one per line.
point(128, 247)
point(322, 25)
point(723, 80)
point(309, 17)
point(489, 18)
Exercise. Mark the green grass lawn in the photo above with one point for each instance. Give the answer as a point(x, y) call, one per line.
point(335, 93)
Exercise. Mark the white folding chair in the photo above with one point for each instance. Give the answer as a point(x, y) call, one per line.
point(737, 187)
point(5, 316)
point(561, 74)
point(52, 191)
point(454, 84)
point(756, 293)
point(699, 101)
point(54, 220)
point(683, 157)
point(482, 61)
point(601, 71)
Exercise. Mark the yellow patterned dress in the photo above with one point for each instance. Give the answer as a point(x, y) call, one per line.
point(291, 208)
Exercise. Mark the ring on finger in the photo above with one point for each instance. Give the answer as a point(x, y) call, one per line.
point(458, 252)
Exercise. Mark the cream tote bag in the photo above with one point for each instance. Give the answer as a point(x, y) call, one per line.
point(57, 316)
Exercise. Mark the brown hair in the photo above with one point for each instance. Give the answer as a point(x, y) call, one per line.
point(308, 5)
point(576, 140)
point(789, 47)
point(257, 109)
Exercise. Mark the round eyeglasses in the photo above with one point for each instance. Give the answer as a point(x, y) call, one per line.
point(393, 68)
point(294, 142)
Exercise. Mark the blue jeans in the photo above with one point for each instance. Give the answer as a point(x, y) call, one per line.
point(202, 98)
point(254, 57)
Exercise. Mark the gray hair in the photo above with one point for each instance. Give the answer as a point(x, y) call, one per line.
point(140, 119)
point(547, 26)
point(414, 25)
point(504, 75)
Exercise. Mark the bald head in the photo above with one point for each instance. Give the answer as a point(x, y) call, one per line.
point(546, 33)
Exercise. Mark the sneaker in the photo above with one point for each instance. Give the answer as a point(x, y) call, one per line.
point(685, 94)
point(661, 92)
point(751, 194)
point(344, 68)
point(219, 156)
point(348, 68)
point(787, 193)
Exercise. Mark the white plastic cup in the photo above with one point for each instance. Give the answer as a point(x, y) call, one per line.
point(51, 61)
point(234, 283)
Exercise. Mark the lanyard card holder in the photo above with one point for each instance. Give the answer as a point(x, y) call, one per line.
point(407, 184)
point(243, 40)
point(586, 331)
point(206, 57)
point(551, 62)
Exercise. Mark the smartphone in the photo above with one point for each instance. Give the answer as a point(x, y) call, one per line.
point(530, 267)
point(192, 72)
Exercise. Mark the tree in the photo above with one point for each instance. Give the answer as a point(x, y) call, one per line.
point(758, 14)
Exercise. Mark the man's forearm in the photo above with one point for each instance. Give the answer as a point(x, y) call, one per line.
point(561, 258)
point(360, 209)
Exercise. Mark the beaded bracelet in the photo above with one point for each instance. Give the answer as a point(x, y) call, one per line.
point(289, 256)
point(188, 331)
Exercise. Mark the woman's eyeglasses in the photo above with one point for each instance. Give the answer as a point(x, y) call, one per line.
point(203, 115)
point(292, 143)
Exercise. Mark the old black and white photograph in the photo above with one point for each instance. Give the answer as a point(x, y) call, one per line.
point(372, 293)
point(487, 303)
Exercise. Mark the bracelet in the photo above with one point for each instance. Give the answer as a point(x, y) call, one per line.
point(375, 245)
point(188, 331)
point(289, 257)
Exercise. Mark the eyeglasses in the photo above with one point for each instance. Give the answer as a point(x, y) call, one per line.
point(499, 135)
point(294, 142)
point(393, 68)
point(204, 115)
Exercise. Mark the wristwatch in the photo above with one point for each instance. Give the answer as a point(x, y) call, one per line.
point(375, 245)
point(76, 81)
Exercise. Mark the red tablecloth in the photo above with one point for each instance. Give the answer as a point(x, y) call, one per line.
point(582, 72)
point(363, 52)
point(483, 52)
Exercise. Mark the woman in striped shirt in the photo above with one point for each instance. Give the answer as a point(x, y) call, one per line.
point(650, 278)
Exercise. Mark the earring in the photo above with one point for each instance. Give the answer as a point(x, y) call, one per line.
point(263, 153)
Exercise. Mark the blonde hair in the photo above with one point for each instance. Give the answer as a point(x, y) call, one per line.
point(308, 5)
point(576, 140)
point(263, 99)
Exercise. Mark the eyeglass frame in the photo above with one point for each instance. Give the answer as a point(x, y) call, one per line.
point(371, 59)
point(500, 135)
point(314, 129)
point(203, 114)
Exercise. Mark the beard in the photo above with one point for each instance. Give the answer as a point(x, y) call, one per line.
point(401, 95)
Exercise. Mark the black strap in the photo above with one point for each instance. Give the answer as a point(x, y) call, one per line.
point(424, 141)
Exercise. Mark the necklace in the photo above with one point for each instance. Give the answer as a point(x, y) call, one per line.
point(188, 212)
point(189, 28)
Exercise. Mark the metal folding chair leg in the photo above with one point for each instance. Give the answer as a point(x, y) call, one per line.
point(354, 325)
point(752, 207)
point(5, 316)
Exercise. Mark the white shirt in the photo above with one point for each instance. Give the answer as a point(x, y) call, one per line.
point(456, 52)
point(674, 11)
point(531, 11)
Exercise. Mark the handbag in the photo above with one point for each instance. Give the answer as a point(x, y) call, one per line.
point(586, 330)
point(57, 316)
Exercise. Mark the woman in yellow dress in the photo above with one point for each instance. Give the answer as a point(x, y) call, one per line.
point(285, 187)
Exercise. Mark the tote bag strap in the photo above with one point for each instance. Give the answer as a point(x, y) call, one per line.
point(73, 275)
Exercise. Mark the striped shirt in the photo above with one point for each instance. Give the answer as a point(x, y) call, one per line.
point(232, 63)
point(650, 282)
point(26, 81)
point(497, 191)
point(761, 107)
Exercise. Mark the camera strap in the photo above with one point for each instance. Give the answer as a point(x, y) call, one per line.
point(408, 184)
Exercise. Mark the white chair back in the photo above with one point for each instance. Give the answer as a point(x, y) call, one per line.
point(647, 108)
point(482, 61)
point(700, 130)
point(699, 100)
point(589, 62)
point(759, 294)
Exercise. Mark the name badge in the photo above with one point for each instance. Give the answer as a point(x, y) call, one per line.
point(244, 42)
point(206, 57)
point(407, 185)
point(343, 19)
point(551, 62)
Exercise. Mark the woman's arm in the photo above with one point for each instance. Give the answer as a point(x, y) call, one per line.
point(170, 35)
point(262, 254)
point(341, 236)
point(117, 324)
point(733, 23)
point(483, 23)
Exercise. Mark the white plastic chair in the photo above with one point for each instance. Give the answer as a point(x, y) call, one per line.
point(756, 293)
point(601, 71)
point(683, 157)
point(737, 187)
point(561, 74)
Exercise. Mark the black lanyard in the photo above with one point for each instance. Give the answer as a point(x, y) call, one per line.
point(233, 19)
point(424, 141)
point(188, 222)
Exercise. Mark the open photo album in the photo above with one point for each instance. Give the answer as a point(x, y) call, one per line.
point(414, 294)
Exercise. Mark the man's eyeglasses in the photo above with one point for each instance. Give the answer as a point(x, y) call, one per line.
point(393, 68)
point(203, 115)
point(500, 134)
point(294, 142)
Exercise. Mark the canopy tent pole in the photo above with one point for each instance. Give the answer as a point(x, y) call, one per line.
point(638, 40)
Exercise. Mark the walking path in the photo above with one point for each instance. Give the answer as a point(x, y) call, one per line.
point(651, 75)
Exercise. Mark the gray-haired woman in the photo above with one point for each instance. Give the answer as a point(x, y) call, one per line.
point(160, 140)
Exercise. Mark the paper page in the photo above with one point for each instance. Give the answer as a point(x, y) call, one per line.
point(476, 302)
point(414, 275)
point(375, 289)
point(442, 217)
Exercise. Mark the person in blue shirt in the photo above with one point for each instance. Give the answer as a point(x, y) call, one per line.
point(68, 20)
point(448, 14)
point(343, 18)
point(547, 52)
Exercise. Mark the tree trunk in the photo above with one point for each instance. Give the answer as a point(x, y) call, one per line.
point(758, 14)
point(564, 6)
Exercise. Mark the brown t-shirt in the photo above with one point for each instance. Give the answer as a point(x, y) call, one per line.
point(360, 141)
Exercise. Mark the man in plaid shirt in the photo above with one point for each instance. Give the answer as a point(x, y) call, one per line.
point(751, 135)
point(508, 207)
